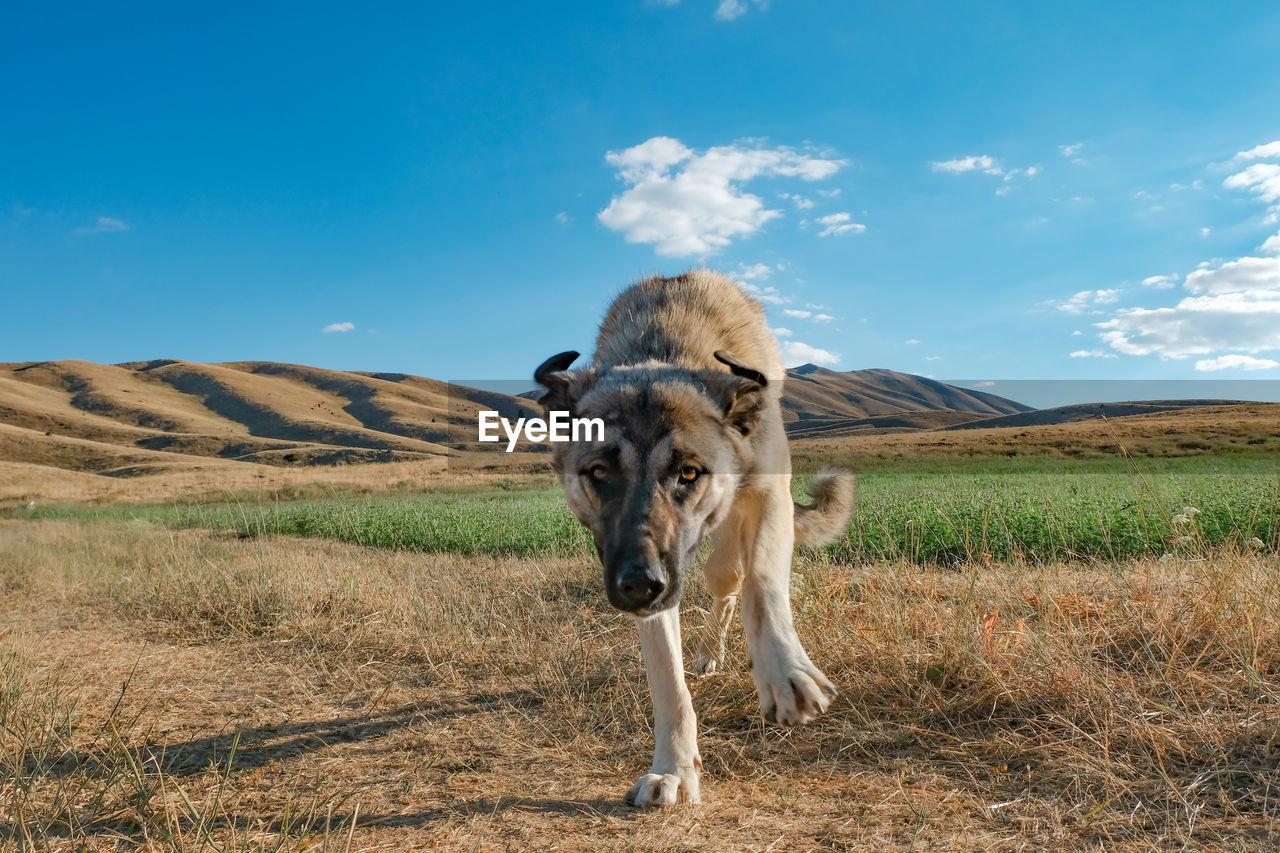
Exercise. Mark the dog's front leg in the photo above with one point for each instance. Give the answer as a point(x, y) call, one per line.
point(677, 767)
point(792, 690)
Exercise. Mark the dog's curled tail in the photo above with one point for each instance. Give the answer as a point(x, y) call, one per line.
point(827, 518)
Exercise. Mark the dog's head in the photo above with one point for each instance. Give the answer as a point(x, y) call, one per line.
point(665, 472)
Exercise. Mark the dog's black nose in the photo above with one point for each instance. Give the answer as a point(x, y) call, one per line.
point(638, 585)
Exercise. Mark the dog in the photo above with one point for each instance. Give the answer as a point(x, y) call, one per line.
point(687, 379)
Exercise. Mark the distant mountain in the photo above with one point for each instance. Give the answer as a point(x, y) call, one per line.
point(821, 401)
point(1088, 411)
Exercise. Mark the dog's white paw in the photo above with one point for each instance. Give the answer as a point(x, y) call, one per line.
point(792, 690)
point(667, 789)
point(705, 664)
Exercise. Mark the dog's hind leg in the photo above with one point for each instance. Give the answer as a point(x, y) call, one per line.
point(724, 580)
point(675, 776)
point(792, 690)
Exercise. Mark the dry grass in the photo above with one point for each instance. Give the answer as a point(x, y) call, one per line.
point(21, 483)
point(1251, 428)
point(187, 690)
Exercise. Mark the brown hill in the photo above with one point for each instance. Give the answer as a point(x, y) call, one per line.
point(928, 419)
point(167, 415)
point(1171, 431)
point(1087, 412)
point(152, 416)
point(820, 401)
point(76, 430)
point(142, 417)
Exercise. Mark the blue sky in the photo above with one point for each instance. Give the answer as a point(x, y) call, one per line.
point(458, 190)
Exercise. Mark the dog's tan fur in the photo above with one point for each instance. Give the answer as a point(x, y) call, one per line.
point(687, 378)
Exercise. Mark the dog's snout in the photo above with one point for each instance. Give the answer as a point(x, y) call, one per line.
point(639, 585)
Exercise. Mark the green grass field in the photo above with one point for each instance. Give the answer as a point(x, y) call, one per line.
point(944, 512)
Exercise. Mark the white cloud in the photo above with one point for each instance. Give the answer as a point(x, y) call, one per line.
point(1243, 321)
point(912, 342)
point(1266, 151)
point(831, 193)
point(986, 164)
point(1077, 333)
point(563, 218)
point(1272, 245)
point(799, 201)
point(699, 207)
point(795, 353)
point(781, 332)
point(837, 224)
point(1263, 179)
point(729, 10)
point(972, 163)
point(1088, 300)
point(1244, 275)
point(338, 327)
point(1160, 282)
point(1206, 231)
point(1070, 151)
point(103, 225)
point(798, 314)
point(755, 272)
point(822, 318)
point(1241, 362)
point(768, 295)
point(1092, 353)
point(1194, 185)
point(933, 358)
point(654, 155)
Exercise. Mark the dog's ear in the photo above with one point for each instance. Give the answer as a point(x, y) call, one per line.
point(740, 393)
point(739, 369)
point(552, 375)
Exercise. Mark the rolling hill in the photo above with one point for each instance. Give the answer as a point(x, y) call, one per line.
point(1088, 411)
point(822, 402)
point(144, 417)
point(814, 391)
point(165, 416)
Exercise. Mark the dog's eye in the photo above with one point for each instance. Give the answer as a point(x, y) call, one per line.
point(689, 475)
point(598, 473)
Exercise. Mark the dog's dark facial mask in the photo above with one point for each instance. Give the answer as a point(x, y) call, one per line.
point(664, 474)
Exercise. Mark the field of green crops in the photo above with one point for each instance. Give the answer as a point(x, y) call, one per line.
point(942, 513)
